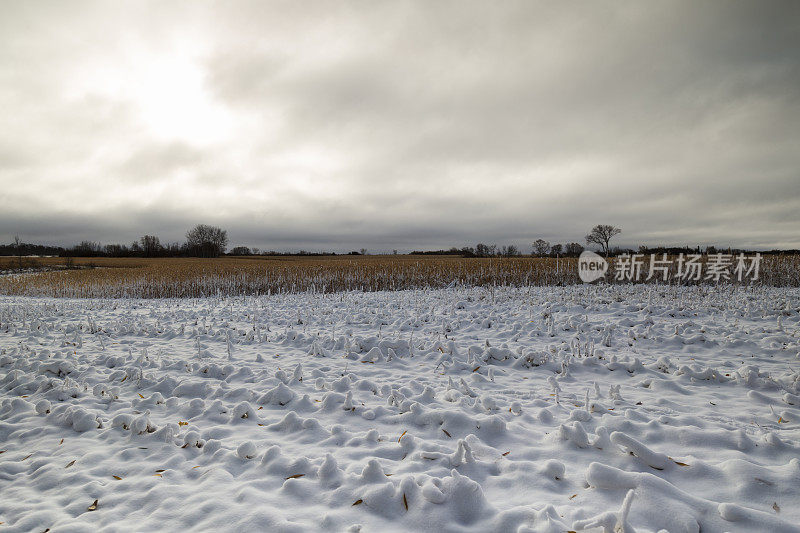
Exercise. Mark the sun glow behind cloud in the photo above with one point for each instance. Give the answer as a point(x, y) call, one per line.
point(175, 104)
point(166, 92)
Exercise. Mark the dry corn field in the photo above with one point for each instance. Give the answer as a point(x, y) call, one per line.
point(194, 277)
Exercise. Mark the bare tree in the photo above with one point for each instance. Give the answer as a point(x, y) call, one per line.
point(206, 241)
point(116, 250)
point(541, 247)
point(573, 249)
point(601, 235)
point(556, 250)
point(151, 245)
point(18, 246)
point(86, 249)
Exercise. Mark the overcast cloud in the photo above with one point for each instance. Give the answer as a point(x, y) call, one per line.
point(408, 125)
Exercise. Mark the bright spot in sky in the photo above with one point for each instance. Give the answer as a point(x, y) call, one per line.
point(175, 104)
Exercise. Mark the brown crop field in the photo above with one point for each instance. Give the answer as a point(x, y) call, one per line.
point(225, 276)
point(194, 277)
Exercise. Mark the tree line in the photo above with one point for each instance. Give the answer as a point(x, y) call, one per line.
point(201, 241)
point(540, 248)
point(211, 241)
point(600, 235)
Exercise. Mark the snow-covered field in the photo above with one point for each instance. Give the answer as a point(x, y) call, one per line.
point(545, 409)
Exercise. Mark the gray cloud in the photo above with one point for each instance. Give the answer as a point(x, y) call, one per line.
point(402, 124)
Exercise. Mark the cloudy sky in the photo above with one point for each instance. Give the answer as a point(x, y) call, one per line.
point(409, 125)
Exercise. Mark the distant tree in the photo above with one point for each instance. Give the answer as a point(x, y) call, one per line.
point(616, 250)
point(481, 250)
point(86, 249)
point(18, 249)
point(509, 251)
point(116, 250)
point(556, 250)
point(173, 249)
point(573, 249)
point(206, 241)
point(394, 252)
point(492, 249)
point(601, 235)
point(541, 247)
point(256, 251)
point(151, 246)
point(363, 251)
point(241, 250)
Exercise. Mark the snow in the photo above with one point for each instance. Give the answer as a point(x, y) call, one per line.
point(549, 409)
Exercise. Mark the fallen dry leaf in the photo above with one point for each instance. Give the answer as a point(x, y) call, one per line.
point(92, 507)
point(676, 462)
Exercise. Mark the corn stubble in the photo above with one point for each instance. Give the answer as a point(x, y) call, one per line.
point(227, 276)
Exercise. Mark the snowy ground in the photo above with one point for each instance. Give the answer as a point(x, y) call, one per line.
point(454, 410)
